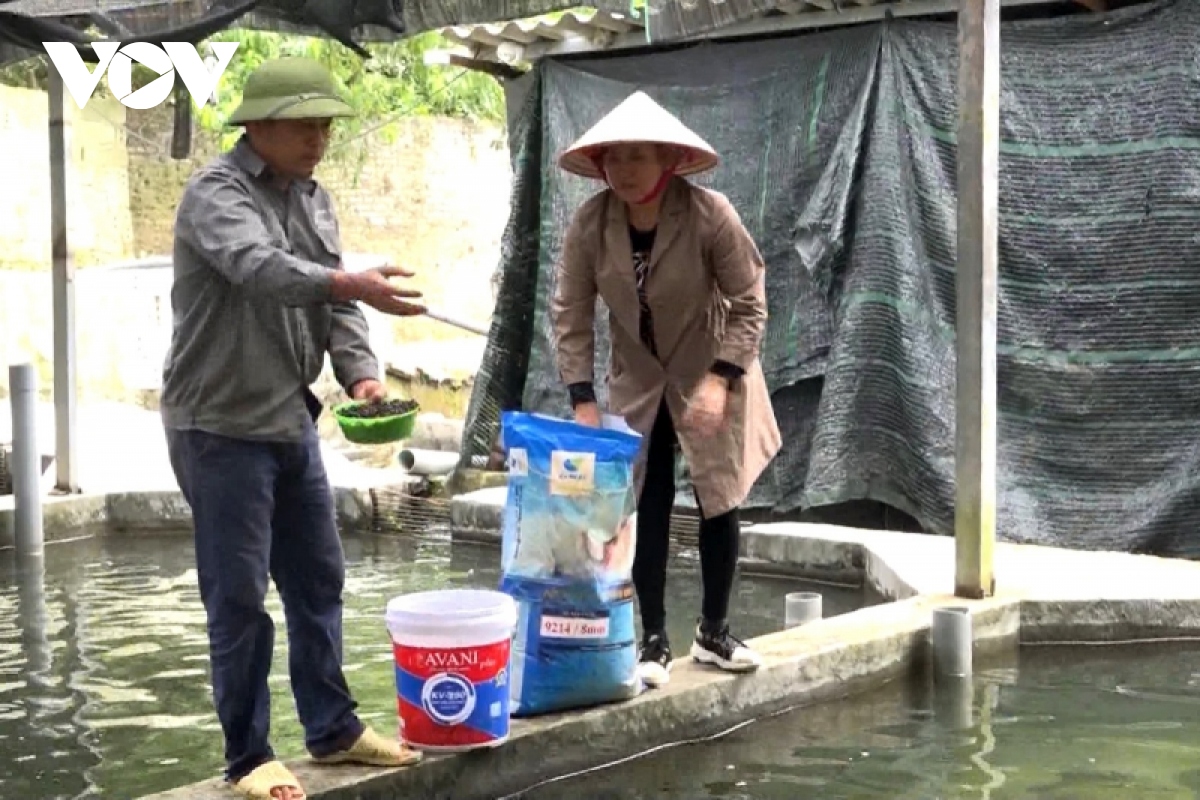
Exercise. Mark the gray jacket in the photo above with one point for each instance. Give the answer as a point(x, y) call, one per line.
point(253, 318)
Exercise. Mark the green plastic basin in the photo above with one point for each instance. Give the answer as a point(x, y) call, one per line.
point(380, 430)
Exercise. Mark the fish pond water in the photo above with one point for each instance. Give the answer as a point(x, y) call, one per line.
point(103, 660)
point(1101, 723)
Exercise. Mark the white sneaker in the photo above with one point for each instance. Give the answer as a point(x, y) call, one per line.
point(654, 660)
point(719, 648)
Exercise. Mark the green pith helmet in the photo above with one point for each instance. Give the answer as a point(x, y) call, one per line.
point(290, 88)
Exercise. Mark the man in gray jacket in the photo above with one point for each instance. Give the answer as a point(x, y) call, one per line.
point(259, 298)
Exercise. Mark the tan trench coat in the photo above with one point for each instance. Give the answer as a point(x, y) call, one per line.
point(707, 294)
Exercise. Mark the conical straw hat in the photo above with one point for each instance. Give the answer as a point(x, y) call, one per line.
point(638, 119)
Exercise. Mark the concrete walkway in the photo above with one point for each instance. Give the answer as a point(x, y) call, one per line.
point(1026, 571)
point(1063, 594)
point(910, 563)
point(126, 479)
point(122, 448)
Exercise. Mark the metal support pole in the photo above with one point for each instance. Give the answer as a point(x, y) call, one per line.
point(978, 190)
point(446, 319)
point(63, 271)
point(26, 465)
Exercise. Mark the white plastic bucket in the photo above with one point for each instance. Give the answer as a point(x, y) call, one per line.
point(452, 656)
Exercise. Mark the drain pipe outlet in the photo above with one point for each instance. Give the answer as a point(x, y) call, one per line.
point(801, 608)
point(433, 463)
point(26, 461)
point(952, 641)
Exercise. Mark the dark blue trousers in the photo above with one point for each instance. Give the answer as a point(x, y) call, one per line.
point(266, 509)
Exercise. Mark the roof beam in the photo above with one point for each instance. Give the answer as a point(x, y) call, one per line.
point(768, 25)
point(452, 59)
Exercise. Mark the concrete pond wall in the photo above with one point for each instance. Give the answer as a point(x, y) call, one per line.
point(1045, 594)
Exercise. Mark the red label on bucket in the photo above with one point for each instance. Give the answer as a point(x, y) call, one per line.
point(453, 698)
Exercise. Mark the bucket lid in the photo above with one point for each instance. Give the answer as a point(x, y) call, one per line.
point(449, 608)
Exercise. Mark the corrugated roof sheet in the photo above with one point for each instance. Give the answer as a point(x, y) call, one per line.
point(590, 30)
point(672, 20)
point(518, 29)
point(418, 15)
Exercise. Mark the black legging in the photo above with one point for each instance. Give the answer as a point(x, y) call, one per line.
point(718, 537)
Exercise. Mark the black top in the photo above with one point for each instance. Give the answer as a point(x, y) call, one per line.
point(641, 243)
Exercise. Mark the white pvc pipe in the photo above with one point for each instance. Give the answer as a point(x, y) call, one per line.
point(428, 462)
point(801, 608)
point(953, 642)
point(33, 619)
point(26, 467)
point(954, 702)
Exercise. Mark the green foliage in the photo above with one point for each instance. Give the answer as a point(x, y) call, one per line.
point(27, 74)
point(396, 82)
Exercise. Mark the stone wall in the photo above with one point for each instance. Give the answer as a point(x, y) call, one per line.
point(434, 199)
point(100, 229)
point(428, 193)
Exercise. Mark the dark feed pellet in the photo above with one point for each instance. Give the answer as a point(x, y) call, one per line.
point(388, 408)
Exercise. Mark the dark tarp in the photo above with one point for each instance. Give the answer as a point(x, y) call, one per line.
point(141, 17)
point(24, 24)
point(839, 153)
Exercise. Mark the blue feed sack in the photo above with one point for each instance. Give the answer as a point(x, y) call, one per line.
point(569, 537)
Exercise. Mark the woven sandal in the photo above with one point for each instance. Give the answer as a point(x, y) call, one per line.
point(373, 750)
point(266, 778)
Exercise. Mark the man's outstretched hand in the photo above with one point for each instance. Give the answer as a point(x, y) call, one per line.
point(375, 288)
point(370, 390)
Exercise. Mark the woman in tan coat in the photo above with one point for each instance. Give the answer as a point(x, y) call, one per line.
point(684, 285)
